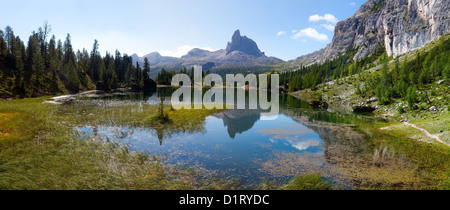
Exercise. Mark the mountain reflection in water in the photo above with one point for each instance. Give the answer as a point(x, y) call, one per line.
point(238, 143)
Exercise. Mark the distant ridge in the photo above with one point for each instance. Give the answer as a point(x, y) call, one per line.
point(240, 52)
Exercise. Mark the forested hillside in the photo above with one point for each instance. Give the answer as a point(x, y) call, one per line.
point(399, 80)
point(44, 65)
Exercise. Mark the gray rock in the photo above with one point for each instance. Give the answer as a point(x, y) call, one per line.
point(371, 100)
point(243, 44)
point(433, 109)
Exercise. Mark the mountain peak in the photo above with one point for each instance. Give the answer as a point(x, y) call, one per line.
point(243, 44)
point(153, 54)
point(237, 33)
point(196, 52)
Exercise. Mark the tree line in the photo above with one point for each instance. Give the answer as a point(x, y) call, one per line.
point(48, 66)
point(165, 77)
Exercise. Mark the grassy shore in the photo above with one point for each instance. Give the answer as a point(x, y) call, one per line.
point(39, 150)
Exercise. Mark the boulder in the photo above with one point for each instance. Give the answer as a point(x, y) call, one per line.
point(433, 109)
point(364, 108)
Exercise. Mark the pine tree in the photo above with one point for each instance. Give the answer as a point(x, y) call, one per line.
point(10, 40)
point(411, 97)
point(137, 75)
point(69, 65)
point(53, 64)
point(118, 66)
point(20, 57)
point(111, 77)
point(3, 47)
point(95, 69)
point(384, 89)
point(146, 70)
point(35, 65)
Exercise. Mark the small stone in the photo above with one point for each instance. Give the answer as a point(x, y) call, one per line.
point(434, 109)
point(440, 131)
point(373, 99)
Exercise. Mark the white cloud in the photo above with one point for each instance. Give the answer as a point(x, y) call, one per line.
point(311, 33)
point(294, 31)
point(304, 145)
point(352, 4)
point(182, 50)
point(281, 33)
point(327, 17)
point(328, 26)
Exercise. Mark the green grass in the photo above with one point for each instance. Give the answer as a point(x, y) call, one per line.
point(308, 182)
point(432, 159)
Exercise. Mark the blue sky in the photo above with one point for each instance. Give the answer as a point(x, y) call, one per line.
point(282, 28)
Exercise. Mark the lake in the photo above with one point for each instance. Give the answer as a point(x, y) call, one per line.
point(239, 144)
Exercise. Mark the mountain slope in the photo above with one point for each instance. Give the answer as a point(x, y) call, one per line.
point(400, 26)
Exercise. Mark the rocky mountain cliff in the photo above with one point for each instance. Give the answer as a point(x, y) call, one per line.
point(243, 44)
point(400, 26)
